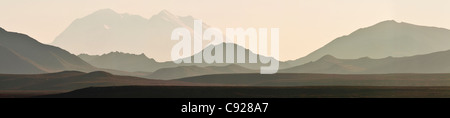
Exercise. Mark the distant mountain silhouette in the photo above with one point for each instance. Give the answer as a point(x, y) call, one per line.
point(71, 80)
point(122, 61)
point(247, 64)
point(429, 63)
point(106, 31)
point(21, 54)
point(388, 38)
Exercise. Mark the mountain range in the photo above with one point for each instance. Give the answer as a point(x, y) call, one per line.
point(387, 42)
point(386, 47)
point(107, 31)
point(386, 54)
point(141, 63)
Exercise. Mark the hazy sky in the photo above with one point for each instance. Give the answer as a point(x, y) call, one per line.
point(305, 25)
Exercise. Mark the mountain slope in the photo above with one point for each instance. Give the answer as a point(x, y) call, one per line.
point(388, 38)
point(429, 63)
point(106, 31)
point(13, 63)
point(22, 54)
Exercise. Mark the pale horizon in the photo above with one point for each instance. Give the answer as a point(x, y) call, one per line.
point(305, 25)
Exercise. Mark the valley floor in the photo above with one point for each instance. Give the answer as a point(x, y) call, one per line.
point(27, 93)
point(257, 92)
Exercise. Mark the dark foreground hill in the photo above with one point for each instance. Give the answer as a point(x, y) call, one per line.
point(283, 86)
point(191, 71)
point(71, 80)
point(255, 92)
point(287, 79)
